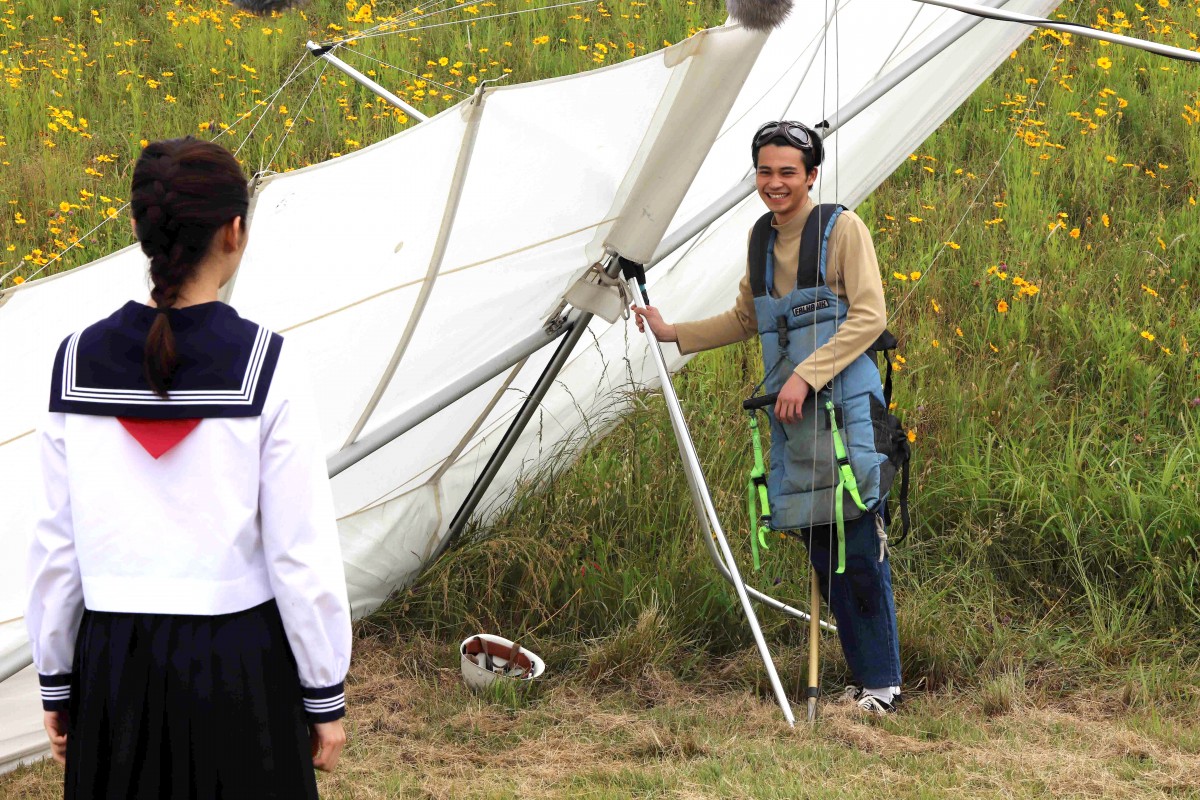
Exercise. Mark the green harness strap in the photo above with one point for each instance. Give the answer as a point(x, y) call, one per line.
point(848, 484)
point(758, 506)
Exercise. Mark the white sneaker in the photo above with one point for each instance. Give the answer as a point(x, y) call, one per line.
point(871, 704)
point(849, 695)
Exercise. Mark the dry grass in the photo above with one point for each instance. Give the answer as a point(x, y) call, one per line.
point(418, 732)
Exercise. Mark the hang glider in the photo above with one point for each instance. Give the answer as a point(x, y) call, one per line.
point(424, 277)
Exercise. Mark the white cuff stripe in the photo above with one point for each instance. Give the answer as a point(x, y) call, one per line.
point(324, 704)
point(56, 692)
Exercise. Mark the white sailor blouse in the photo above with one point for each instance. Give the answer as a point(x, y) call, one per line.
point(211, 501)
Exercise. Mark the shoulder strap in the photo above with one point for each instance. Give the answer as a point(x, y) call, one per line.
point(760, 236)
point(885, 344)
point(814, 244)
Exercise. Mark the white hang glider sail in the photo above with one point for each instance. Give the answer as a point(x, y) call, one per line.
point(418, 275)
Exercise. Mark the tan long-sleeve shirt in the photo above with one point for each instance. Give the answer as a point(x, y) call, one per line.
point(851, 272)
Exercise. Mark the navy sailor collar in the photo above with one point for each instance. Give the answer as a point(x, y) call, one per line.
point(225, 366)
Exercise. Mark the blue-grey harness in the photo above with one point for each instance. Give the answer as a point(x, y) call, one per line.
point(839, 461)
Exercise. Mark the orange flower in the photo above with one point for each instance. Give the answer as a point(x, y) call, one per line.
point(1002, 307)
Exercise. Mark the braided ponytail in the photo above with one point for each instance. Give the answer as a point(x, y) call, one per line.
point(184, 191)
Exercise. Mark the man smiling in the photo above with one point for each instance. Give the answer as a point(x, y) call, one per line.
point(813, 295)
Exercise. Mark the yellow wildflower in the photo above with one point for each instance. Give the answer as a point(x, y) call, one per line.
point(1148, 336)
point(1104, 220)
point(915, 275)
point(1002, 307)
point(1103, 62)
point(64, 206)
point(912, 435)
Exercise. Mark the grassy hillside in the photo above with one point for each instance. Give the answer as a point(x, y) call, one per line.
point(1042, 269)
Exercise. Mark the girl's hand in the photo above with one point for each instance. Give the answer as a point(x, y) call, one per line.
point(56, 729)
point(328, 739)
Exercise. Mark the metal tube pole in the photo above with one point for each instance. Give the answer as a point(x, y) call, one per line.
point(450, 393)
point(524, 415)
point(706, 511)
point(1073, 28)
point(326, 52)
point(765, 599)
point(814, 644)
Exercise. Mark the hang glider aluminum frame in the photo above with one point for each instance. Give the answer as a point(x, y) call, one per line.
point(325, 52)
point(576, 322)
point(738, 194)
point(1073, 28)
point(706, 512)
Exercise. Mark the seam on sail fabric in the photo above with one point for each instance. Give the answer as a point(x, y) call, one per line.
point(18, 436)
point(463, 268)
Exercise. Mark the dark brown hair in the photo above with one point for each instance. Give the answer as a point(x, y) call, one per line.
point(183, 191)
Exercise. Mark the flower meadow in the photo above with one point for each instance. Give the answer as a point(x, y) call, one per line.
point(1041, 263)
point(87, 85)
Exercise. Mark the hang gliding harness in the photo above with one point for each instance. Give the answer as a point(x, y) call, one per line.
point(839, 461)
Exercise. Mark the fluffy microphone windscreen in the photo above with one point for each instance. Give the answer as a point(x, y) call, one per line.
point(759, 15)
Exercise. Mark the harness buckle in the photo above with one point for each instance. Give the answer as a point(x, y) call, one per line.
point(781, 329)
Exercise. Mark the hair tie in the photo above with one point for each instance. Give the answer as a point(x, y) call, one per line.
point(162, 309)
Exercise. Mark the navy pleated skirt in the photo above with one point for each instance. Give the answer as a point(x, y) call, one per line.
point(195, 707)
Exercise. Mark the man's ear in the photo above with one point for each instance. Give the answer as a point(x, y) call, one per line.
point(812, 173)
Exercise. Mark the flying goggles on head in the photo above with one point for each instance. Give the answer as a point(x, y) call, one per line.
point(797, 134)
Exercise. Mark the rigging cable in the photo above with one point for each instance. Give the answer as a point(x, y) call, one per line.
point(407, 72)
point(289, 128)
point(472, 19)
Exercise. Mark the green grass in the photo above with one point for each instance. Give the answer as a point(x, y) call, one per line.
point(1048, 595)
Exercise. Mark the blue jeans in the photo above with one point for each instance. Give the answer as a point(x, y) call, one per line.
point(860, 599)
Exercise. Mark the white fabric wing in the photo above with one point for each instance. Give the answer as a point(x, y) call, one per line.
point(436, 249)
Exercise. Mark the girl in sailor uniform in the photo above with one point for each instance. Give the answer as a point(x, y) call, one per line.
point(187, 607)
